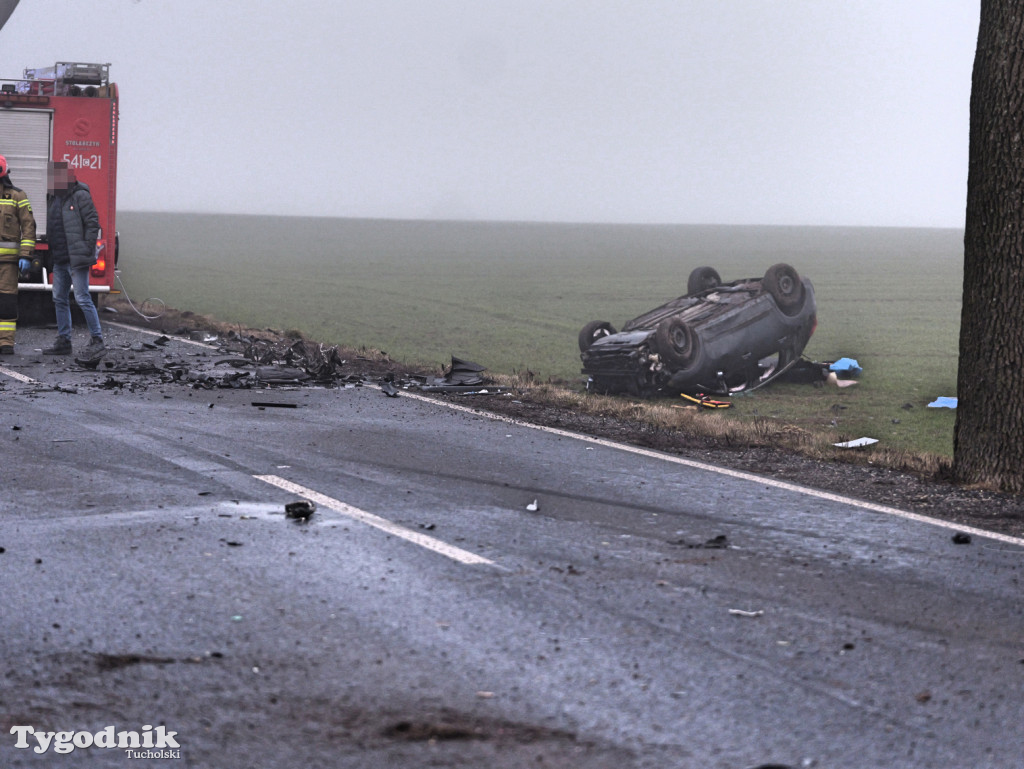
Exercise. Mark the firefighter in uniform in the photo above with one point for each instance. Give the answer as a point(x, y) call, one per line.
point(17, 242)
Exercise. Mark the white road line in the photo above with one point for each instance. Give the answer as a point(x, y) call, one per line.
point(159, 333)
point(807, 491)
point(455, 553)
point(16, 375)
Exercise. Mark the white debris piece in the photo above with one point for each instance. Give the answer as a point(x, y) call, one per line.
point(532, 507)
point(745, 613)
point(856, 444)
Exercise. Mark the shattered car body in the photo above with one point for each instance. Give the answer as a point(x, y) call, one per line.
point(718, 338)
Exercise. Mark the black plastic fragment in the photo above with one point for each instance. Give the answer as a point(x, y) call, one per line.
point(302, 510)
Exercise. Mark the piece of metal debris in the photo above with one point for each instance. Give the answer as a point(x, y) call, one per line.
point(462, 377)
point(274, 405)
point(90, 362)
point(745, 613)
point(301, 510)
point(960, 538)
point(721, 542)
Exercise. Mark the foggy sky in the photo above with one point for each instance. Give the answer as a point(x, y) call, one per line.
point(688, 111)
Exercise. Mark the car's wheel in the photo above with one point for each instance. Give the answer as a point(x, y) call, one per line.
point(593, 331)
point(702, 279)
point(677, 343)
point(786, 288)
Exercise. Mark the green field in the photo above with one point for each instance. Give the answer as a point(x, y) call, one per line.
point(514, 296)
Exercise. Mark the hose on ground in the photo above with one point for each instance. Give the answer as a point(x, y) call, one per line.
point(150, 300)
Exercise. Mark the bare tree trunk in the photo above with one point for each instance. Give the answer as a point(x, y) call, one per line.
point(989, 434)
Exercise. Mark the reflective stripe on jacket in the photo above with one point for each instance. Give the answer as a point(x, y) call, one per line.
point(17, 223)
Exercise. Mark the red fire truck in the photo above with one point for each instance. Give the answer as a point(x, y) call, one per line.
point(67, 112)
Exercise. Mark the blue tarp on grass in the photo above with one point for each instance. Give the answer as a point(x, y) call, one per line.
point(849, 365)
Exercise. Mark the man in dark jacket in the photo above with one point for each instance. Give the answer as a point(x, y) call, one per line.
point(17, 242)
point(72, 226)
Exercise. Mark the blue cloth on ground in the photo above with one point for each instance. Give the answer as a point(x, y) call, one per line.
point(846, 364)
point(943, 402)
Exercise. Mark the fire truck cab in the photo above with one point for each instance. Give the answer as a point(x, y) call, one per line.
point(67, 112)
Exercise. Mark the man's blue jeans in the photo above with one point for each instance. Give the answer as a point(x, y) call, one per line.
point(64, 277)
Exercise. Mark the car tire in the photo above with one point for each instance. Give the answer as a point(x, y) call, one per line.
point(786, 288)
point(593, 331)
point(677, 343)
point(702, 279)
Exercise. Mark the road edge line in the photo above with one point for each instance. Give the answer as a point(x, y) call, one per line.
point(738, 474)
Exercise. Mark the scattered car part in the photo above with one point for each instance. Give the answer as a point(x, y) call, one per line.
point(302, 510)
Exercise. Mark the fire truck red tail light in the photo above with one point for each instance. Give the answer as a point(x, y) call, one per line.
point(100, 268)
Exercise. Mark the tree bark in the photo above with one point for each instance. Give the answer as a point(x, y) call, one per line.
point(988, 446)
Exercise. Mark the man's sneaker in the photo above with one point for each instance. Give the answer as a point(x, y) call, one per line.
point(60, 347)
point(6, 349)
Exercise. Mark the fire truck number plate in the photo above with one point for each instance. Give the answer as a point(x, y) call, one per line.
point(83, 161)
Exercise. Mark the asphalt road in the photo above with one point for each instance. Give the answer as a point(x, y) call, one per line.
point(647, 613)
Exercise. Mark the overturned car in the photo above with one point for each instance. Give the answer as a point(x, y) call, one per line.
point(719, 338)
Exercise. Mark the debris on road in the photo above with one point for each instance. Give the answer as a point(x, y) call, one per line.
point(745, 613)
point(720, 542)
point(281, 374)
point(943, 402)
point(532, 507)
point(274, 405)
point(464, 372)
point(960, 538)
point(108, 662)
point(463, 377)
point(90, 362)
point(302, 510)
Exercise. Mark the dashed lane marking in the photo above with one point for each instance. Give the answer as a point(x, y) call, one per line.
point(15, 375)
point(739, 474)
point(455, 553)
